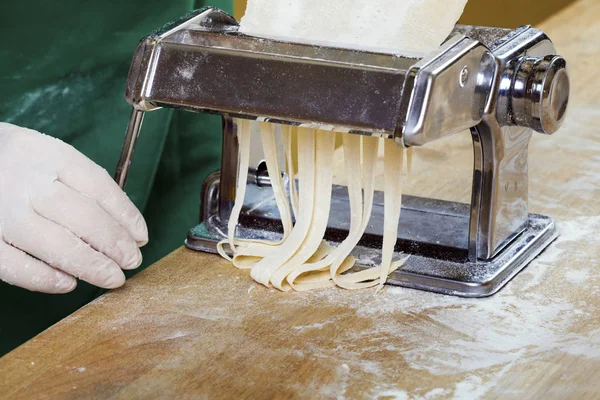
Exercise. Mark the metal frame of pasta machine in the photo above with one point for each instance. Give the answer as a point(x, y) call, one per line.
point(501, 84)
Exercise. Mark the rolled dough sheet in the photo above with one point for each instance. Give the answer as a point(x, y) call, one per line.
point(397, 26)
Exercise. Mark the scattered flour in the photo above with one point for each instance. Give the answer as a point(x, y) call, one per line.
point(397, 340)
point(540, 314)
point(577, 277)
point(392, 395)
point(312, 326)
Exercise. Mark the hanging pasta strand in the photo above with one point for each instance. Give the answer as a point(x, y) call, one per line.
point(267, 133)
point(288, 137)
point(240, 194)
point(248, 252)
point(302, 260)
point(366, 184)
point(265, 268)
point(322, 273)
point(393, 168)
point(321, 197)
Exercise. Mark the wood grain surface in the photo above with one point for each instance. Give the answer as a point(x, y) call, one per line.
point(193, 327)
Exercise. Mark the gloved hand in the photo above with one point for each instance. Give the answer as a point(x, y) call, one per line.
point(62, 217)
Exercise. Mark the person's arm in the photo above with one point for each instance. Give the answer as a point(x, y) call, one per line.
point(62, 217)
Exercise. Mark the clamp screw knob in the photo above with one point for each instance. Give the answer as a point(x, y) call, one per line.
point(540, 93)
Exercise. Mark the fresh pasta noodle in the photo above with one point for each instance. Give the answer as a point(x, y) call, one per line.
point(286, 131)
point(303, 260)
point(393, 160)
point(247, 253)
point(264, 269)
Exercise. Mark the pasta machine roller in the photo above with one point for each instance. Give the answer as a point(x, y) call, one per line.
point(501, 84)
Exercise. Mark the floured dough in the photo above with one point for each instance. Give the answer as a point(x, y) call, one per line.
point(397, 26)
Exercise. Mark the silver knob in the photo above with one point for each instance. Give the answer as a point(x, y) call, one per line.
point(540, 93)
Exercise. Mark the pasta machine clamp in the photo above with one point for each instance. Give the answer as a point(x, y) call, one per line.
point(501, 84)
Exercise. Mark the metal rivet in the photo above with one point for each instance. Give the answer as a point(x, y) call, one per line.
point(464, 76)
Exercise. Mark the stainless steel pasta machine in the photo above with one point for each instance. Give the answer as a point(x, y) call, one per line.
point(501, 84)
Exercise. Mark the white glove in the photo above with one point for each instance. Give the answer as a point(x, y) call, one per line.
point(62, 217)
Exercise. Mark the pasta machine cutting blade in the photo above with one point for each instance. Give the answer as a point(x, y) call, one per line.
point(501, 84)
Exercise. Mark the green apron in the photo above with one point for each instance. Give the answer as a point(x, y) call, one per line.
point(63, 67)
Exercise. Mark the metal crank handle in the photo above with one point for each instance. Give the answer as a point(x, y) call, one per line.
point(133, 131)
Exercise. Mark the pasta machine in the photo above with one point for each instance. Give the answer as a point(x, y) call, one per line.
point(501, 84)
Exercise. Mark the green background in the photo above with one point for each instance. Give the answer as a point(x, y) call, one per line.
point(63, 69)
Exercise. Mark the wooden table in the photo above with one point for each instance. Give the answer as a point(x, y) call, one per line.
point(191, 326)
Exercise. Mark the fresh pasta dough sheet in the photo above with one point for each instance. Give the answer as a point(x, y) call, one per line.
point(396, 26)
